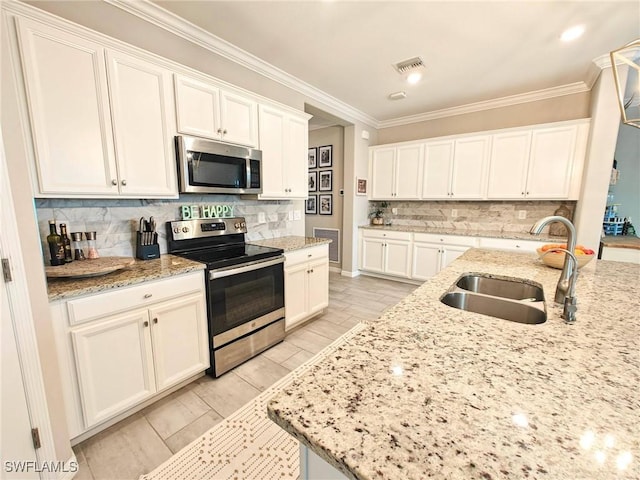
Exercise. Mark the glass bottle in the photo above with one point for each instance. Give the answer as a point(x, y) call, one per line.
point(78, 252)
point(92, 251)
point(56, 249)
point(66, 243)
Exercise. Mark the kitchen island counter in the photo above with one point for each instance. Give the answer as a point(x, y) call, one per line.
point(291, 243)
point(429, 391)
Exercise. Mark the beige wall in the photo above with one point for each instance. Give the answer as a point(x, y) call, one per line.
point(569, 107)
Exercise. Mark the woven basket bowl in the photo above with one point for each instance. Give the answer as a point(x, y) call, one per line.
point(556, 259)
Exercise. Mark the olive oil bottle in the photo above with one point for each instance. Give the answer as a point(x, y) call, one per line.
point(56, 248)
point(66, 243)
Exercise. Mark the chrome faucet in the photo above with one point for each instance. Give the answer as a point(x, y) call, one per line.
point(563, 282)
point(569, 305)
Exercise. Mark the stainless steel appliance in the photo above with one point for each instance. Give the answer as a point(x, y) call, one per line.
point(245, 287)
point(207, 166)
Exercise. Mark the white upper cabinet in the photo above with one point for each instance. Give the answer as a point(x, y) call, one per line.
point(284, 140)
point(396, 172)
point(206, 110)
point(101, 120)
point(456, 168)
point(508, 165)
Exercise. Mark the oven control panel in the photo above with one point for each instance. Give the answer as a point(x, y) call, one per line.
point(202, 228)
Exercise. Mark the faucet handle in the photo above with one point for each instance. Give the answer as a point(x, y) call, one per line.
point(569, 310)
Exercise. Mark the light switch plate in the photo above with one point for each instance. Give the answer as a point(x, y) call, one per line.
point(297, 215)
point(261, 217)
point(290, 215)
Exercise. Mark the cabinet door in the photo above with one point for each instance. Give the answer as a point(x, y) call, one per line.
point(114, 363)
point(426, 261)
point(397, 257)
point(551, 162)
point(272, 144)
point(508, 165)
point(318, 285)
point(66, 86)
point(296, 148)
point(238, 119)
point(438, 164)
point(450, 253)
point(408, 174)
point(179, 338)
point(469, 176)
point(143, 112)
point(295, 294)
point(372, 255)
point(197, 108)
point(382, 173)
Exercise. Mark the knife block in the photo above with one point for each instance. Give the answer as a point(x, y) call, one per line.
point(146, 252)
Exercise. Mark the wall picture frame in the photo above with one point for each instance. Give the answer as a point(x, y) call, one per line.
point(361, 186)
point(325, 206)
point(311, 205)
point(313, 181)
point(325, 156)
point(325, 180)
point(313, 157)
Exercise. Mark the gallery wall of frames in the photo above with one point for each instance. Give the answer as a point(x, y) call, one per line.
point(320, 201)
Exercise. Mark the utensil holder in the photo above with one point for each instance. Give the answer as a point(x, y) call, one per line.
point(146, 252)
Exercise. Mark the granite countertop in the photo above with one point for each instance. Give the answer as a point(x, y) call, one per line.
point(621, 241)
point(544, 237)
point(431, 391)
point(291, 243)
point(140, 271)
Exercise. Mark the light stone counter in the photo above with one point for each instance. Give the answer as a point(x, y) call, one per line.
point(545, 237)
point(429, 391)
point(291, 243)
point(140, 271)
point(621, 241)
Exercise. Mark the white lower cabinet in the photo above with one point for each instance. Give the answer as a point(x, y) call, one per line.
point(113, 356)
point(306, 283)
point(432, 253)
point(385, 252)
point(514, 245)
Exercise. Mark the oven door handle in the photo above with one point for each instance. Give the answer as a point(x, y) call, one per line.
point(226, 272)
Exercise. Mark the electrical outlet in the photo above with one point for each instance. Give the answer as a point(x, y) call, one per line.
point(261, 217)
point(522, 214)
point(394, 211)
point(454, 213)
point(290, 215)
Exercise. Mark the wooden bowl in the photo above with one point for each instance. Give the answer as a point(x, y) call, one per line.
point(556, 259)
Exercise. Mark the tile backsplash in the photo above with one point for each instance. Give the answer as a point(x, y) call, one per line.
point(488, 216)
point(116, 221)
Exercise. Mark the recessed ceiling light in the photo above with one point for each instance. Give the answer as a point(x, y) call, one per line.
point(572, 33)
point(414, 77)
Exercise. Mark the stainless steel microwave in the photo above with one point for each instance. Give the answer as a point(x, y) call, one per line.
point(207, 166)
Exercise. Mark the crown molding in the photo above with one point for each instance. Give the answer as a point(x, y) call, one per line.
point(569, 89)
point(178, 26)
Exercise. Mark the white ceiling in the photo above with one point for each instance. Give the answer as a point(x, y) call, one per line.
point(474, 51)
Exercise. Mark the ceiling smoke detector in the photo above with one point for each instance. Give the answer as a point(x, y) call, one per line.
point(397, 96)
point(411, 70)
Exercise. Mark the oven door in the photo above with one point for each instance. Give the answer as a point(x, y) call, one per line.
point(245, 298)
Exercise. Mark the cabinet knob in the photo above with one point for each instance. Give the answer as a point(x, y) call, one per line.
point(146, 324)
point(224, 132)
point(148, 295)
point(114, 182)
point(219, 131)
point(309, 255)
point(527, 193)
point(124, 182)
point(155, 320)
point(311, 271)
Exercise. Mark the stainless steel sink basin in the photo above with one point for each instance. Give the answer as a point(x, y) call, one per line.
point(495, 307)
point(499, 287)
point(516, 300)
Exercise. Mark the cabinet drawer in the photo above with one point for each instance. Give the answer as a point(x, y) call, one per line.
point(445, 239)
point(95, 306)
point(388, 234)
point(513, 245)
point(306, 254)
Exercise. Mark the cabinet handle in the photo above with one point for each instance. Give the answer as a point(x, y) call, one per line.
point(114, 182)
point(312, 270)
point(155, 320)
point(148, 295)
point(146, 324)
point(219, 131)
point(124, 182)
point(224, 132)
point(309, 255)
point(527, 193)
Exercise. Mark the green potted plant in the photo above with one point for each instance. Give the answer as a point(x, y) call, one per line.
point(377, 215)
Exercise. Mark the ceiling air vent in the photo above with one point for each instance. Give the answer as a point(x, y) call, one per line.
point(407, 65)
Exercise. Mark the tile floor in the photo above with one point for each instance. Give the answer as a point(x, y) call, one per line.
point(139, 443)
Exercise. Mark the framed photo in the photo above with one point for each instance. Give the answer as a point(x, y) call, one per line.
point(325, 180)
point(313, 181)
point(313, 157)
point(361, 186)
point(326, 204)
point(326, 156)
point(311, 205)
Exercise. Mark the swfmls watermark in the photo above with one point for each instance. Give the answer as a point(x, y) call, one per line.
point(24, 466)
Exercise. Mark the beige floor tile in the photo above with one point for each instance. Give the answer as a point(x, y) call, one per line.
point(281, 352)
point(175, 412)
point(194, 430)
point(298, 359)
point(309, 341)
point(84, 472)
point(327, 329)
point(225, 394)
point(126, 453)
point(261, 372)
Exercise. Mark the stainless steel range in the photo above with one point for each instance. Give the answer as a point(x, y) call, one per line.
point(245, 287)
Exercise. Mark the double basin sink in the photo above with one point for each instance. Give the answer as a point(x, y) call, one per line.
point(516, 300)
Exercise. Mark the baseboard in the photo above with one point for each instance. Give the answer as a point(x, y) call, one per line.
point(393, 279)
point(347, 273)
